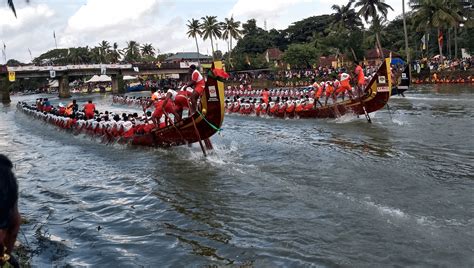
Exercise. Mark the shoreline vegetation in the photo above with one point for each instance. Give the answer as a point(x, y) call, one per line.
point(440, 28)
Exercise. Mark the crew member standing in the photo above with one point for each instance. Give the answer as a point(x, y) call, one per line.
point(197, 80)
point(89, 110)
point(359, 75)
point(266, 96)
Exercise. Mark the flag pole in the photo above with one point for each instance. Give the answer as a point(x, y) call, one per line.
point(56, 43)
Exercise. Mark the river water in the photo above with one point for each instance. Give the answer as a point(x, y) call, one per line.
point(275, 193)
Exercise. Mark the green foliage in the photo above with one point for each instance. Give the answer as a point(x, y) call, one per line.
point(301, 55)
point(303, 31)
point(13, 62)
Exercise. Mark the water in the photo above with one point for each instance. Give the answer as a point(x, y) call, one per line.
point(275, 193)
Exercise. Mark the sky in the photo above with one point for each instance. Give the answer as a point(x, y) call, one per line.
point(159, 22)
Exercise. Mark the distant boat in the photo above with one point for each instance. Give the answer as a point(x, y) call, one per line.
point(404, 83)
point(375, 96)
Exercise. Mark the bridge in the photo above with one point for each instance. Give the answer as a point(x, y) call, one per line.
point(62, 73)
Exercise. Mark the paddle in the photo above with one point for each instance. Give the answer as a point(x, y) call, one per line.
point(199, 137)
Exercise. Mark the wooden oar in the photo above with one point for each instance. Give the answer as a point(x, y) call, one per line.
point(199, 137)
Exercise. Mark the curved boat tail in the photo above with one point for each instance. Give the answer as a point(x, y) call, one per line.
point(404, 83)
point(199, 126)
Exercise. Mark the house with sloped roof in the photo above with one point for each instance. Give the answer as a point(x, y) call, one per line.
point(188, 57)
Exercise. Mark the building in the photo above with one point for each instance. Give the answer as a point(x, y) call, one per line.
point(188, 57)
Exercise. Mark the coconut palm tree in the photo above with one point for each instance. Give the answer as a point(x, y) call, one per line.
point(211, 28)
point(435, 14)
point(132, 51)
point(405, 33)
point(346, 17)
point(194, 30)
point(371, 9)
point(231, 29)
point(104, 49)
point(147, 50)
point(12, 5)
point(115, 54)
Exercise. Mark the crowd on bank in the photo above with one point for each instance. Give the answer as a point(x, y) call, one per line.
point(438, 64)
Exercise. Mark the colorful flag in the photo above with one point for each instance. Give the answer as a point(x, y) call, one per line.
point(220, 73)
point(440, 38)
point(423, 42)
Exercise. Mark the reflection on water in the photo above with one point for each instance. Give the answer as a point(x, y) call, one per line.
point(284, 193)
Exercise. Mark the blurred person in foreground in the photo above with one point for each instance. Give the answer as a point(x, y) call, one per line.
point(9, 215)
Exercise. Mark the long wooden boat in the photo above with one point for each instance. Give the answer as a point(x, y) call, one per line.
point(198, 127)
point(404, 85)
point(374, 97)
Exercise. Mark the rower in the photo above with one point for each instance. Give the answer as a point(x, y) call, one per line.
point(197, 80)
point(170, 105)
point(318, 91)
point(344, 85)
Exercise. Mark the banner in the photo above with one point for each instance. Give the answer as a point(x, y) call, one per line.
point(186, 64)
point(11, 76)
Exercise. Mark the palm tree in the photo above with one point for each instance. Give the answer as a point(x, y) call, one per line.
point(371, 9)
point(104, 49)
point(406, 37)
point(194, 30)
point(435, 14)
point(211, 28)
point(132, 51)
point(345, 16)
point(147, 50)
point(115, 54)
point(231, 30)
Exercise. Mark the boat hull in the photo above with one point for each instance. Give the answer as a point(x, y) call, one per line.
point(376, 95)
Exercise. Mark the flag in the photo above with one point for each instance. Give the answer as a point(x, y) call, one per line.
point(247, 59)
point(220, 73)
point(267, 57)
point(4, 53)
point(54, 34)
point(440, 38)
point(423, 42)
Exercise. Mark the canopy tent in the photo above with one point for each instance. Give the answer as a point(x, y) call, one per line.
point(102, 78)
point(53, 83)
point(396, 61)
point(129, 77)
point(439, 57)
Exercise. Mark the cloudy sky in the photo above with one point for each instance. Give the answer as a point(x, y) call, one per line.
point(160, 22)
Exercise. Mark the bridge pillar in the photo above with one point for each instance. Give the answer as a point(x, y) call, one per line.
point(4, 89)
point(64, 91)
point(118, 86)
